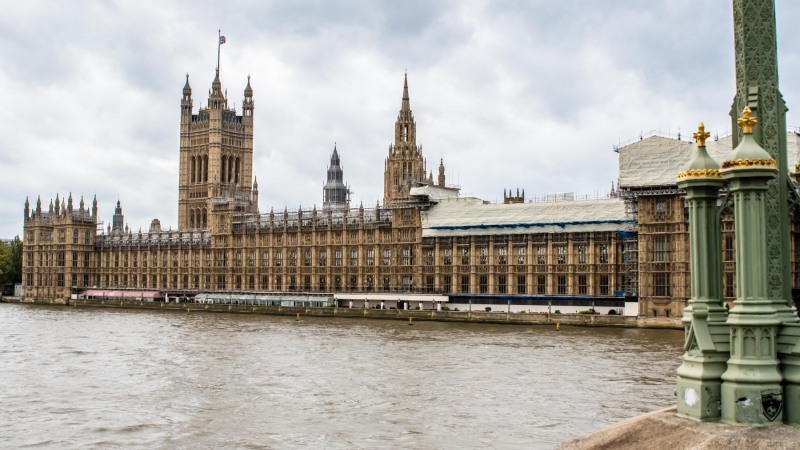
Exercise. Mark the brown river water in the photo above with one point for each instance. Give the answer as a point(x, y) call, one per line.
point(86, 378)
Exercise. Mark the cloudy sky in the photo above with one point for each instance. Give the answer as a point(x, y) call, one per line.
point(511, 94)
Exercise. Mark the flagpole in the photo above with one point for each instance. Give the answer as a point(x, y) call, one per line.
point(219, 43)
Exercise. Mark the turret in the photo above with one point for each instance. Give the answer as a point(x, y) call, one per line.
point(69, 204)
point(510, 198)
point(186, 101)
point(57, 210)
point(248, 105)
point(441, 173)
point(27, 208)
point(94, 209)
point(38, 205)
point(216, 99)
point(254, 196)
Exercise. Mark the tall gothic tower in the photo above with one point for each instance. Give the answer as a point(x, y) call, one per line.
point(335, 193)
point(216, 155)
point(405, 167)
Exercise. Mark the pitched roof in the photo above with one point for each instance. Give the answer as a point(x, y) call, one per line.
point(472, 216)
point(656, 160)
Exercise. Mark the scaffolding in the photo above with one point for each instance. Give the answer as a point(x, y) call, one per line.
point(630, 245)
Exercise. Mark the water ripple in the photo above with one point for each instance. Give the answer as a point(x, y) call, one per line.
point(137, 379)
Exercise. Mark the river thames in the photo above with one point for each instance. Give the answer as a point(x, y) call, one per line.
point(85, 378)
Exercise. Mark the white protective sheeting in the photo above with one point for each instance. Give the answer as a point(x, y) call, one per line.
point(656, 161)
point(472, 216)
point(792, 149)
point(434, 193)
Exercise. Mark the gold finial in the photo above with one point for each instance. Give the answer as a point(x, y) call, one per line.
point(747, 121)
point(701, 135)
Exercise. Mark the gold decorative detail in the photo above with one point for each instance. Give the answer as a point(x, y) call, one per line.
point(749, 163)
point(747, 121)
point(701, 135)
point(699, 173)
point(797, 167)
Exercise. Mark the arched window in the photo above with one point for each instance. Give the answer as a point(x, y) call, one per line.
point(236, 176)
point(192, 166)
point(230, 169)
point(205, 168)
point(205, 219)
point(222, 171)
point(191, 218)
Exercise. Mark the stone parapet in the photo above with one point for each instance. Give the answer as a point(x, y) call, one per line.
point(665, 430)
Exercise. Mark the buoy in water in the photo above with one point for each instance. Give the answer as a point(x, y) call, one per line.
point(297, 319)
point(409, 321)
point(558, 325)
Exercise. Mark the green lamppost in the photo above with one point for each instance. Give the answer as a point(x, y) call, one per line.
point(706, 334)
point(751, 390)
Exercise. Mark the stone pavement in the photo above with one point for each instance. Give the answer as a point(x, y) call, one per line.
point(664, 430)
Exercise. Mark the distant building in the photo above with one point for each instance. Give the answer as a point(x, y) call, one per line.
point(656, 246)
point(509, 198)
point(335, 194)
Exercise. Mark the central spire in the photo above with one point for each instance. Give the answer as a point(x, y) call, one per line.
point(216, 85)
point(216, 99)
point(405, 166)
point(406, 106)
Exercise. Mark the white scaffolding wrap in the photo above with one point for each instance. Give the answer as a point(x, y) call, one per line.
point(656, 161)
point(472, 216)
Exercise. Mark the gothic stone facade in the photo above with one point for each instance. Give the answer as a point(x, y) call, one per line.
point(223, 243)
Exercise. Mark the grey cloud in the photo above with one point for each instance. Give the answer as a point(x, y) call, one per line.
point(510, 94)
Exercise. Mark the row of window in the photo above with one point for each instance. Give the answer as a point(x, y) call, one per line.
point(77, 234)
point(663, 288)
point(404, 235)
point(58, 259)
point(520, 255)
point(406, 257)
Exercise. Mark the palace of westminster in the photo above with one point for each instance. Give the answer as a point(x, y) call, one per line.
point(423, 238)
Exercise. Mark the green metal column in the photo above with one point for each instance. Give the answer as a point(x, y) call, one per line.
point(751, 390)
point(755, 44)
point(706, 347)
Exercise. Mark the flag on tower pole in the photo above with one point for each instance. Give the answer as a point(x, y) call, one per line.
point(220, 41)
